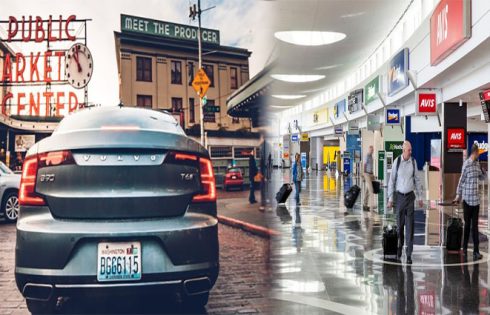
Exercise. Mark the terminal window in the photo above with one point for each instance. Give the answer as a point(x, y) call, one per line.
point(144, 101)
point(176, 104)
point(209, 69)
point(176, 72)
point(190, 72)
point(143, 69)
point(221, 152)
point(233, 78)
point(192, 115)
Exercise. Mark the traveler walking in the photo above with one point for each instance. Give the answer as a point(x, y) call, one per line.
point(297, 176)
point(403, 188)
point(269, 166)
point(368, 180)
point(252, 171)
point(468, 191)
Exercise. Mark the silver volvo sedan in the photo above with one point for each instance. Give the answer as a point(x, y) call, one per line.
point(116, 199)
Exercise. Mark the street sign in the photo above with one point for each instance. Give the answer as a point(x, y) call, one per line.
point(201, 83)
point(211, 109)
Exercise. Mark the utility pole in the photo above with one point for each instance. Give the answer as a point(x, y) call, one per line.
point(196, 12)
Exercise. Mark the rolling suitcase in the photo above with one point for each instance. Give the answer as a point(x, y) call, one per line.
point(283, 193)
point(376, 186)
point(350, 196)
point(390, 241)
point(454, 231)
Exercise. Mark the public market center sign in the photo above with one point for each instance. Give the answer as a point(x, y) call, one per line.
point(151, 27)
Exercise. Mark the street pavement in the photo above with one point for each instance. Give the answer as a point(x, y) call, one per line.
point(242, 286)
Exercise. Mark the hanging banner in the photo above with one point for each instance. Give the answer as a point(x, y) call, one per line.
point(392, 117)
point(339, 108)
point(456, 140)
point(371, 90)
point(450, 27)
point(354, 101)
point(397, 72)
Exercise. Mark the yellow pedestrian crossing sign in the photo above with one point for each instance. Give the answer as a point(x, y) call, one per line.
point(201, 83)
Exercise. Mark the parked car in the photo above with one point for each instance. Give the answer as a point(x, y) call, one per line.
point(116, 200)
point(9, 190)
point(233, 178)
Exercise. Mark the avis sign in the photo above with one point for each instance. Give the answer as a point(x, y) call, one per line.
point(426, 103)
point(456, 140)
point(450, 27)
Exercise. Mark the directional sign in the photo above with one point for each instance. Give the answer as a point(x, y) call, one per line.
point(211, 109)
point(201, 83)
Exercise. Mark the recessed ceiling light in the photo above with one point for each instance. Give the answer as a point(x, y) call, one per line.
point(288, 97)
point(297, 78)
point(309, 38)
point(345, 16)
point(328, 67)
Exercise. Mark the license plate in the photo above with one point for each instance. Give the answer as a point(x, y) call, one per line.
point(233, 177)
point(119, 261)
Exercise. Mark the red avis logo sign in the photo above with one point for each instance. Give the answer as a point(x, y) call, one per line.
point(427, 103)
point(456, 138)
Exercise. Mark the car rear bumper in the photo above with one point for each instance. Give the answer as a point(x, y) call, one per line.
point(62, 254)
point(233, 182)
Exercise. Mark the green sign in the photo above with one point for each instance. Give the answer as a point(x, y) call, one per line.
point(211, 109)
point(394, 146)
point(381, 165)
point(145, 26)
point(371, 90)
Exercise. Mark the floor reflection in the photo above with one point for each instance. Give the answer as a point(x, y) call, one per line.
point(328, 259)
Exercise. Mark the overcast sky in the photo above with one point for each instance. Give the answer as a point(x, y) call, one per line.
point(242, 23)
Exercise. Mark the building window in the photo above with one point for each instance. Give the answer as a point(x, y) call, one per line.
point(143, 69)
point(209, 69)
point(234, 78)
point(176, 104)
point(221, 152)
point(176, 73)
point(190, 72)
point(235, 120)
point(144, 101)
point(192, 114)
point(209, 115)
point(242, 152)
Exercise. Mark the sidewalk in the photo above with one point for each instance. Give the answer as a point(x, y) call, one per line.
point(238, 212)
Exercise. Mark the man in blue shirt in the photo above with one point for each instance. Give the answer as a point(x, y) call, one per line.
point(297, 176)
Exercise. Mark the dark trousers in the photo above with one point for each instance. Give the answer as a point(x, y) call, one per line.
point(251, 197)
point(404, 215)
point(471, 221)
point(297, 185)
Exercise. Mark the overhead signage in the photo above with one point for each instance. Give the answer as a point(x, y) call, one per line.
point(352, 128)
point(152, 27)
point(29, 73)
point(485, 104)
point(373, 122)
point(294, 137)
point(450, 27)
point(426, 103)
point(211, 109)
point(339, 108)
point(397, 72)
point(392, 117)
point(339, 131)
point(354, 101)
point(456, 139)
point(305, 137)
point(371, 90)
point(394, 146)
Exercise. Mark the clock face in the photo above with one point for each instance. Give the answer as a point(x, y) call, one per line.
point(79, 66)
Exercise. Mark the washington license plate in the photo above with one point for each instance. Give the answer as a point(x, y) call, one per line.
point(119, 261)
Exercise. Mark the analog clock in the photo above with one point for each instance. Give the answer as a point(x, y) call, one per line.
point(79, 66)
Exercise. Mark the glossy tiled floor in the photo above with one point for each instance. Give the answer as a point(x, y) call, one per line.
point(329, 261)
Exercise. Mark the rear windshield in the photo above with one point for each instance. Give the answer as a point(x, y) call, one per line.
point(116, 118)
point(234, 170)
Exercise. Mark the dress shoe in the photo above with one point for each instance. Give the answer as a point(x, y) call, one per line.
point(409, 260)
point(477, 256)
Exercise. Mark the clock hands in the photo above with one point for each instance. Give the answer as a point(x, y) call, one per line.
point(75, 56)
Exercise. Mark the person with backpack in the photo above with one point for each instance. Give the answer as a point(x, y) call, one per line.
point(297, 176)
point(404, 188)
point(468, 191)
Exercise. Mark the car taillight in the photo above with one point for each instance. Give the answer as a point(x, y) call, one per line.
point(207, 182)
point(27, 191)
point(27, 194)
